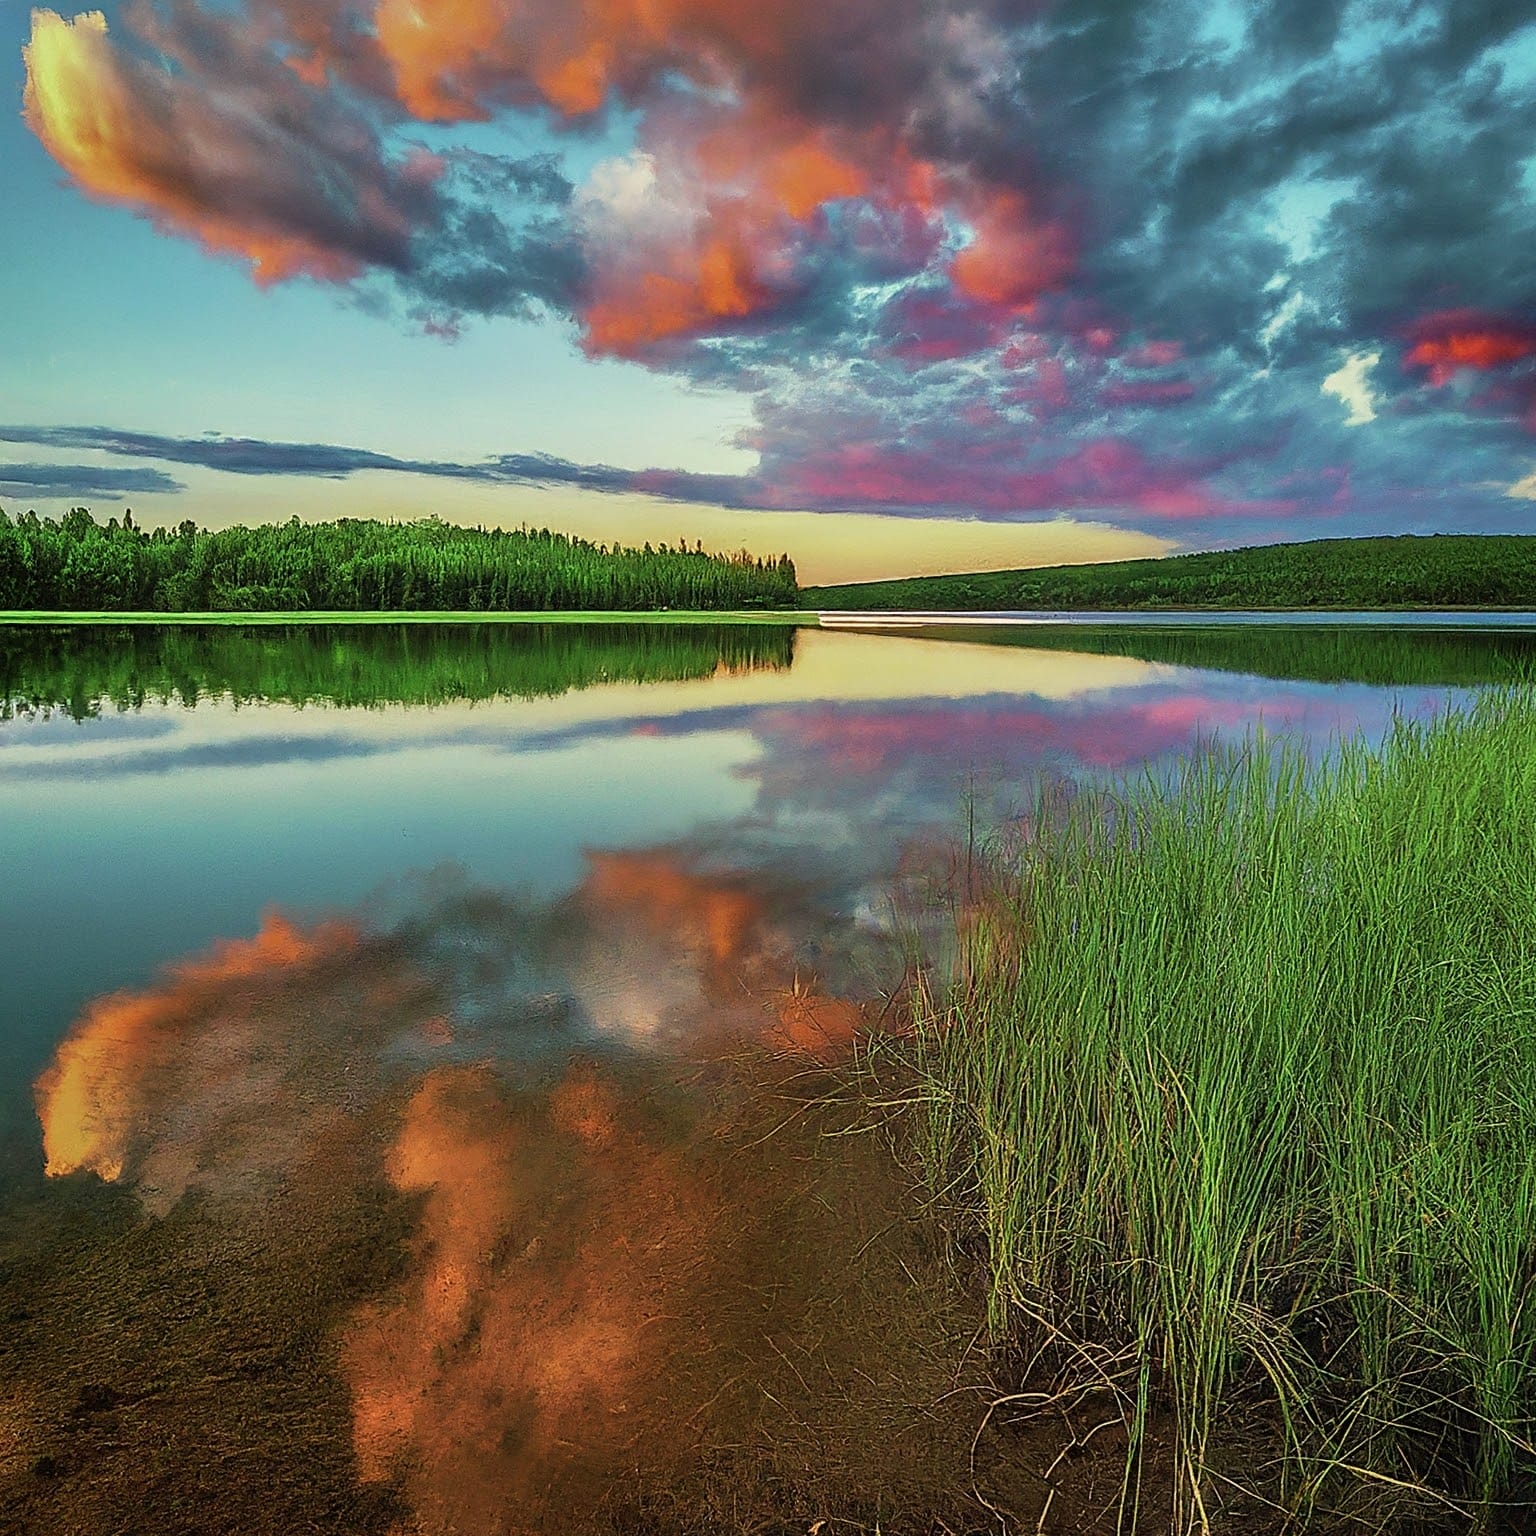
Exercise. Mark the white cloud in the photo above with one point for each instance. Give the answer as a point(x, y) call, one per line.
point(1524, 488)
point(1283, 318)
point(625, 185)
point(1351, 385)
point(630, 199)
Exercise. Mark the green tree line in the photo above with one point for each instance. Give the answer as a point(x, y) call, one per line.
point(80, 671)
point(1438, 571)
point(78, 564)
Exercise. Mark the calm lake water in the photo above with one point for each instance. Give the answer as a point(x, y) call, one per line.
point(290, 916)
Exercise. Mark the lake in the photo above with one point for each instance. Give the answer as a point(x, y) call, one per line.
point(434, 1038)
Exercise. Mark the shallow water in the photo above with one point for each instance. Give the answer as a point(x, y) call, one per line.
point(398, 968)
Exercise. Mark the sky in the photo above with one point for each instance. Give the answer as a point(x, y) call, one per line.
point(895, 285)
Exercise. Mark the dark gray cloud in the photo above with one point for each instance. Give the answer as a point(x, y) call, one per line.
point(253, 456)
point(500, 242)
point(1194, 151)
point(257, 752)
point(80, 481)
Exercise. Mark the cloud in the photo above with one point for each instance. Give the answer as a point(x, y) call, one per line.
point(594, 1249)
point(159, 1087)
point(266, 141)
point(254, 456)
point(1524, 489)
point(984, 257)
point(1458, 345)
point(129, 1049)
point(1147, 393)
point(1351, 384)
point(252, 752)
point(1448, 343)
point(80, 482)
point(559, 1235)
point(259, 167)
point(856, 471)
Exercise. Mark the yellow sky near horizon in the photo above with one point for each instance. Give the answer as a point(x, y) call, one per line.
point(827, 547)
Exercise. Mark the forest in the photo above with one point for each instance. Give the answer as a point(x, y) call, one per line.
point(1406, 571)
point(77, 564)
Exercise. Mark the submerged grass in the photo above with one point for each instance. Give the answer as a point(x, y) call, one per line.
point(1237, 1081)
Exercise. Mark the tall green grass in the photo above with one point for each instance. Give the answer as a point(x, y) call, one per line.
point(1237, 1081)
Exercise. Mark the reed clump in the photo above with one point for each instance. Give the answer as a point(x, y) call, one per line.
point(1236, 1085)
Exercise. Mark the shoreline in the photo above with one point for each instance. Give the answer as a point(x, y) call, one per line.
point(823, 618)
point(798, 617)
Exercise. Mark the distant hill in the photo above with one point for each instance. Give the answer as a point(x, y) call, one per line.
point(1436, 571)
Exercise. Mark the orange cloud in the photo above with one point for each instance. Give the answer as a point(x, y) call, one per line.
point(224, 1068)
point(722, 927)
point(716, 283)
point(753, 163)
point(438, 49)
point(721, 228)
point(1013, 256)
point(719, 920)
point(812, 1024)
point(453, 59)
point(750, 195)
point(557, 1240)
point(596, 1263)
point(1458, 339)
point(123, 1056)
point(803, 176)
point(260, 139)
point(230, 168)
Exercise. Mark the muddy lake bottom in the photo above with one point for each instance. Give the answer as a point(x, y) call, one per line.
point(434, 1095)
point(653, 1304)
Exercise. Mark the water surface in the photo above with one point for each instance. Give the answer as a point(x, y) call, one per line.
point(164, 789)
point(394, 967)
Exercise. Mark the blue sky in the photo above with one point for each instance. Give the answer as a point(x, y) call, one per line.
point(895, 284)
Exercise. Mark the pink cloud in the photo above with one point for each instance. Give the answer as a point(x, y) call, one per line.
point(930, 327)
point(1455, 339)
point(1154, 354)
point(1108, 473)
point(1146, 392)
point(875, 741)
